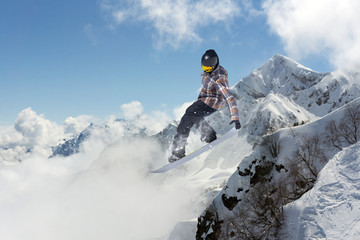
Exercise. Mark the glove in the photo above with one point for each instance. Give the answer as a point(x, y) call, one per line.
point(237, 124)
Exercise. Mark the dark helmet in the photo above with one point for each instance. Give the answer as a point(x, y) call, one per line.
point(209, 61)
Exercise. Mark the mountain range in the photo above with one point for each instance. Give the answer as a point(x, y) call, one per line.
point(282, 104)
point(290, 173)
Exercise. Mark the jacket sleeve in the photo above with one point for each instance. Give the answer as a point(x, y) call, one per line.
point(230, 99)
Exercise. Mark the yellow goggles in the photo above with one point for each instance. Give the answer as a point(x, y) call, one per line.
point(207, 69)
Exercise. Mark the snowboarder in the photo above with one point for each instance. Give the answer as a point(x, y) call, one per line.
point(213, 95)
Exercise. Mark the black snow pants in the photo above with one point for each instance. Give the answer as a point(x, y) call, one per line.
point(194, 115)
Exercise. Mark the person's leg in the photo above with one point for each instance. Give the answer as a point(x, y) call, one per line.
point(194, 115)
point(208, 134)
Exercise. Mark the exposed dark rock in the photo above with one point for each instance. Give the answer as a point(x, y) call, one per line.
point(229, 202)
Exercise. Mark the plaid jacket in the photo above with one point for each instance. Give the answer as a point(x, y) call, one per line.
point(215, 91)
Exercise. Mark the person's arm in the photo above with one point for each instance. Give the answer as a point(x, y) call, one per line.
point(230, 99)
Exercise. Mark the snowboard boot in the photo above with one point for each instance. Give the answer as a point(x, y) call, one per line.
point(208, 134)
point(208, 138)
point(177, 154)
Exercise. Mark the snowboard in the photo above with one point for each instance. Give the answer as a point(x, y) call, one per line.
point(197, 152)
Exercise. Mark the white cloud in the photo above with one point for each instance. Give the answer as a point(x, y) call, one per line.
point(74, 125)
point(180, 111)
point(132, 110)
point(102, 193)
point(35, 129)
point(32, 133)
point(175, 21)
point(153, 122)
point(324, 27)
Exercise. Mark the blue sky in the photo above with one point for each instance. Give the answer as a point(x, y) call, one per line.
point(70, 58)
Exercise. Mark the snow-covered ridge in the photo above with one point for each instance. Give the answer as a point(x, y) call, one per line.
point(268, 166)
point(319, 93)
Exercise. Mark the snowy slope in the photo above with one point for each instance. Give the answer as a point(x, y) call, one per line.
point(331, 209)
point(261, 168)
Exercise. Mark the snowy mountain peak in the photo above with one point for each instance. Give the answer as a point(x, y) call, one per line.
point(318, 93)
point(279, 75)
point(279, 61)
